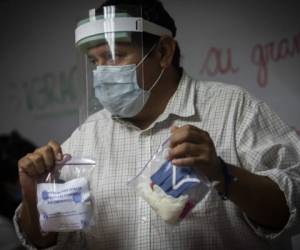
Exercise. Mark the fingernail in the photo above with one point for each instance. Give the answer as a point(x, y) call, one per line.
point(59, 156)
point(174, 127)
point(165, 154)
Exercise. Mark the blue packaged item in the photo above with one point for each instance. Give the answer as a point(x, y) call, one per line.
point(175, 181)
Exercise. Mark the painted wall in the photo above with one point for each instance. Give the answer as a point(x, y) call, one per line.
point(254, 44)
point(38, 92)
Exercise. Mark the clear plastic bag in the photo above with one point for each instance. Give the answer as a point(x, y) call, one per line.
point(172, 192)
point(64, 199)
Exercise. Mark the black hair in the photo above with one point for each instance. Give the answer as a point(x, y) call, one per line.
point(12, 148)
point(153, 11)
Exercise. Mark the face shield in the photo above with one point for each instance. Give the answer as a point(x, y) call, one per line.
point(110, 61)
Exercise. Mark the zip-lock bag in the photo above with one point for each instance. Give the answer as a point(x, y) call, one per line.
point(64, 199)
point(171, 191)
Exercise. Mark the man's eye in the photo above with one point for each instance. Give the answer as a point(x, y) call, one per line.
point(93, 61)
point(108, 56)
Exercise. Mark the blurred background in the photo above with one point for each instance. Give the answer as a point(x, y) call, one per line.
point(253, 44)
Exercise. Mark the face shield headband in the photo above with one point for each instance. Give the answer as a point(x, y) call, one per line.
point(92, 29)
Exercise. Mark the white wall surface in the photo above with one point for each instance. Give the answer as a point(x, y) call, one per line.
point(38, 95)
point(254, 44)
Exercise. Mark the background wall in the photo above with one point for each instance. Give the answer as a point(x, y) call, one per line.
point(254, 44)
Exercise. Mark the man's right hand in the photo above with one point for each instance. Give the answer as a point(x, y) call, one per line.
point(32, 167)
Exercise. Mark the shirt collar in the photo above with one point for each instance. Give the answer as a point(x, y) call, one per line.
point(182, 103)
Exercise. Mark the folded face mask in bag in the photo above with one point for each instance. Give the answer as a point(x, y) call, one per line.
point(64, 198)
point(172, 192)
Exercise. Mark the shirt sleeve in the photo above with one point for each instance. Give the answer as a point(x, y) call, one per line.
point(267, 146)
point(76, 239)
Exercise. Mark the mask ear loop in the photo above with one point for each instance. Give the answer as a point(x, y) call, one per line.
point(161, 73)
point(158, 79)
point(146, 56)
point(143, 59)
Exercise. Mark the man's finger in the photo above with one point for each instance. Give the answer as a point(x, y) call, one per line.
point(188, 134)
point(185, 162)
point(38, 163)
point(56, 149)
point(186, 150)
point(48, 156)
point(27, 166)
point(174, 128)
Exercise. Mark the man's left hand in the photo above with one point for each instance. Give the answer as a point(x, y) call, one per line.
point(193, 147)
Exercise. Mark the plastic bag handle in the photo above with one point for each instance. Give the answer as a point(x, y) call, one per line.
point(69, 160)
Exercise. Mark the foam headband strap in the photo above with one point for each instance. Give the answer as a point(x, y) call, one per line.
point(118, 24)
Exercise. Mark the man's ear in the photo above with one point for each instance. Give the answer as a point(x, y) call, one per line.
point(166, 48)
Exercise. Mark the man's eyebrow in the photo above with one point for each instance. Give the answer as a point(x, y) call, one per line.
point(96, 54)
point(90, 57)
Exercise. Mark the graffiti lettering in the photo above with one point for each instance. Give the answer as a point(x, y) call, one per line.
point(50, 90)
point(217, 62)
point(273, 52)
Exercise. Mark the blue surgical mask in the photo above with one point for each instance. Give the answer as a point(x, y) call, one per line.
point(117, 89)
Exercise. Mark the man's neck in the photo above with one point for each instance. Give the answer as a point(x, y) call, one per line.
point(158, 100)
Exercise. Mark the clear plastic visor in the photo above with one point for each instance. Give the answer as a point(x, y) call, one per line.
point(111, 38)
point(109, 43)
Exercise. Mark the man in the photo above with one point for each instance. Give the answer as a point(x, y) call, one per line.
point(216, 129)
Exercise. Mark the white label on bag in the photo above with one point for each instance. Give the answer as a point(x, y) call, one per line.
point(64, 207)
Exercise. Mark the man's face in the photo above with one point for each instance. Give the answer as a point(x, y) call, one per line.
point(116, 55)
point(124, 54)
